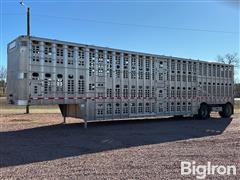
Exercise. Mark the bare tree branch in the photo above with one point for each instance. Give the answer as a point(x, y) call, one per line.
point(229, 58)
point(220, 59)
point(3, 73)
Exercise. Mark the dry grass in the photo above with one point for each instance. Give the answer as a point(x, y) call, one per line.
point(13, 109)
point(237, 106)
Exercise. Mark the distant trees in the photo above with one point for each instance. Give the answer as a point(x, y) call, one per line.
point(3, 73)
point(3, 77)
point(231, 59)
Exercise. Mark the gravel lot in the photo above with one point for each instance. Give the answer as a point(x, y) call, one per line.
point(38, 146)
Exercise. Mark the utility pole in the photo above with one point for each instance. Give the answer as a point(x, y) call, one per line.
point(28, 21)
point(28, 35)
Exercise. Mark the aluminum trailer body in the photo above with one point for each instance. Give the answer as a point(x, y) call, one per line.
point(97, 83)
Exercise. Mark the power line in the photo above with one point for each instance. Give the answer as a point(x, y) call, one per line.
point(136, 25)
point(129, 24)
point(123, 1)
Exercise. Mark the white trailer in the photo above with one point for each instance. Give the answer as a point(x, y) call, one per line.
point(96, 83)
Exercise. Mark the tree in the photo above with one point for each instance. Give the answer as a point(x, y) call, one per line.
point(3, 77)
point(231, 59)
point(3, 73)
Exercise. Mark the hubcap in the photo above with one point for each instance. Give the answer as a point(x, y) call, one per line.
point(204, 113)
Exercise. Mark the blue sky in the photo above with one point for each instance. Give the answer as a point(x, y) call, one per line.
point(130, 25)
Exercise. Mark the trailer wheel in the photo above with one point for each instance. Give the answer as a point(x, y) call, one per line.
point(227, 110)
point(204, 111)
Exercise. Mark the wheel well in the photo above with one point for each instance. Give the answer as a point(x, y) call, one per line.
point(222, 105)
point(205, 104)
point(229, 103)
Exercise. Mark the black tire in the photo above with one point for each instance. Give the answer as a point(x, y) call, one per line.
point(227, 111)
point(204, 111)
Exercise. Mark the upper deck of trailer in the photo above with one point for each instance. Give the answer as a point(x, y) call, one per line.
point(47, 40)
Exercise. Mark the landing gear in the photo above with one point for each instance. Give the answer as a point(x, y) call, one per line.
point(204, 111)
point(27, 109)
point(227, 110)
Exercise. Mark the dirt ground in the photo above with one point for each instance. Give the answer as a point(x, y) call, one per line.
point(38, 146)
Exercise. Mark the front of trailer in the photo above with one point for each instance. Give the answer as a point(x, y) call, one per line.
point(33, 78)
point(17, 72)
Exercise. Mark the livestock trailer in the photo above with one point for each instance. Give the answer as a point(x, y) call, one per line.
point(98, 83)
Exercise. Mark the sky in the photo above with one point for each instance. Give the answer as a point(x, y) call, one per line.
point(189, 29)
